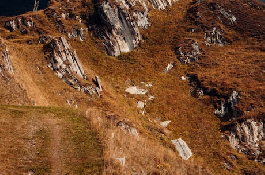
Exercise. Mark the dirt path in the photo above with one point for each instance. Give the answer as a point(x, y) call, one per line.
point(54, 150)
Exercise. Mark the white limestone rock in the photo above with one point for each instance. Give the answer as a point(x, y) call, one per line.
point(169, 67)
point(136, 91)
point(140, 105)
point(248, 137)
point(64, 61)
point(161, 4)
point(214, 37)
point(165, 123)
point(122, 20)
point(183, 149)
point(6, 62)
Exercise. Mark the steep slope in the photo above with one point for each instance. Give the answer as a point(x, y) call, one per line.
point(193, 32)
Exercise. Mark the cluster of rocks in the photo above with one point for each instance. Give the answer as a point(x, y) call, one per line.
point(121, 21)
point(214, 37)
point(64, 61)
point(228, 106)
point(134, 90)
point(228, 15)
point(75, 31)
point(248, 137)
point(188, 51)
point(20, 23)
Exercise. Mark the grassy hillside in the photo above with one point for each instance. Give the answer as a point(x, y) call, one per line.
point(38, 140)
point(35, 139)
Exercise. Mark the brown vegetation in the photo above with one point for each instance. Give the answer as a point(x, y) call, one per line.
point(223, 68)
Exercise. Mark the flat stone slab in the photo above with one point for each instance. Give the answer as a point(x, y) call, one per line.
point(183, 149)
point(136, 91)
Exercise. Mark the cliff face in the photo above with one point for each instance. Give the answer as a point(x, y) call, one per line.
point(121, 33)
point(121, 21)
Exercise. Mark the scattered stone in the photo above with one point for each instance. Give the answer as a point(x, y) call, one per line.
point(165, 123)
point(183, 149)
point(140, 104)
point(20, 23)
point(169, 67)
point(184, 78)
point(77, 33)
point(228, 15)
point(45, 39)
point(121, 160)
point(136, 91)
point(151, 97)
point(149, 84)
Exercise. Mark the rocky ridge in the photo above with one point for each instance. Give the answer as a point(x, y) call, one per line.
point(64, 61)
point(121, 21)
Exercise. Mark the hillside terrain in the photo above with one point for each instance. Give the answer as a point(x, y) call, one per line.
point(134, 87)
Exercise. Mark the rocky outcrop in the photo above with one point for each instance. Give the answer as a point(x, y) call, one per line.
point(121, 33)
point(121, 20)
point(188, 51)
point(161, 4)
point(228, 106)
point(77, 33)
point(248, 137)
point(225, 103)
point(20, 23)
point(214, 37)
point(64, 61)
point(5, 63)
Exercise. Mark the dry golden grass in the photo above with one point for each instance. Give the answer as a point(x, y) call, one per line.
point(192, 119)
point(42, 140)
